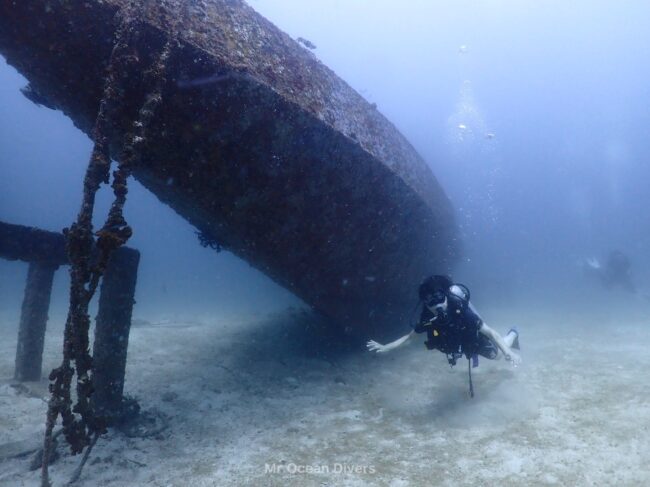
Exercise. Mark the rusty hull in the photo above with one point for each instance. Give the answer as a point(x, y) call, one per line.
point(257, 144)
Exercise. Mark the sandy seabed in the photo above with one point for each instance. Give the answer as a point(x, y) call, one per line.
point(272, 402)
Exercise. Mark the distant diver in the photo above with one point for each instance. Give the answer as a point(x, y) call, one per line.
point(454, 327)
point(614, 272)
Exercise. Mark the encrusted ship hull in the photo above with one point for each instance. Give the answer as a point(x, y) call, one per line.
point(256, 143)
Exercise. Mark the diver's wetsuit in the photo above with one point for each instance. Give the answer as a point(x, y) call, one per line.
point(455, 330)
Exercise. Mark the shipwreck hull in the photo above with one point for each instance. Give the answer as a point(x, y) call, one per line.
point(256, 143)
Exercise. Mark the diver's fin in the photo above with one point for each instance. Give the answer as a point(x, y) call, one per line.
point(515, 343)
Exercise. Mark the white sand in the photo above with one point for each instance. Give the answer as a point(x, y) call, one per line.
point(262, 392)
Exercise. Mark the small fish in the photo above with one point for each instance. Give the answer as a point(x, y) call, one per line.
point(308, 44)
point(593, 263)
point(35, 97)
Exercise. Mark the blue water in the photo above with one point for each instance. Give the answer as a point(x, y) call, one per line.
point(534, 116)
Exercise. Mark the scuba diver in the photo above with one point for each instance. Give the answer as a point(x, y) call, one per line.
point(453, 326)
point(615, 271)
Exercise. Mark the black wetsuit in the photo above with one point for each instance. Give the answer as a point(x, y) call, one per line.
point(455, 331)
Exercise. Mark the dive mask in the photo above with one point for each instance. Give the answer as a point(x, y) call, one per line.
point(438, 297)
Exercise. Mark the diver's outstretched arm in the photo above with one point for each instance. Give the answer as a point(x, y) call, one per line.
point(374, 346)
point(509, 354)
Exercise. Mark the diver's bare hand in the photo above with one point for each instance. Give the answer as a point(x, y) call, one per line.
point(513, 357)
point(374, 346)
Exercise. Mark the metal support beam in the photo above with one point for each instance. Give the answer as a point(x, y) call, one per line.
point(112, 330)
point(45, 252)
point(33, 318)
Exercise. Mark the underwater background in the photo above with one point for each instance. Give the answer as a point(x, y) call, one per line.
point(535, 118)
point(562, 88)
